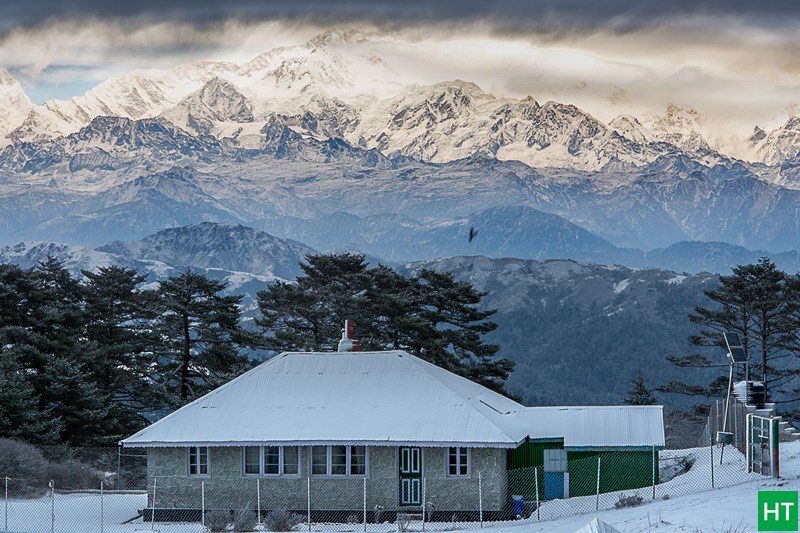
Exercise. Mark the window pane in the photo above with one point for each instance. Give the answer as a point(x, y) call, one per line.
point(338, 460)
point(319, 460)
point(291, 460)
point(452, 462)
point(252, 456)
point(202, 453)
point(271, 460)
point(192, 461)
point(463, 461)
point(358, 460)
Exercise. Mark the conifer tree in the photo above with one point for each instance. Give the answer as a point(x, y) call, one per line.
point(200, 338)
point(118, 326)
point(759, 303)
point(430, 315)
point(640, 394)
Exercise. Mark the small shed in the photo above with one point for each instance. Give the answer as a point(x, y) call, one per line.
point(566, 447)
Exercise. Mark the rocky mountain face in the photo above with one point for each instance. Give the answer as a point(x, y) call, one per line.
point(589, 326)
point(220, 246)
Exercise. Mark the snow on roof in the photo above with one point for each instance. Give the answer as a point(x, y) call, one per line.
point(378, 398)
point(621, 426)
point(384, 398)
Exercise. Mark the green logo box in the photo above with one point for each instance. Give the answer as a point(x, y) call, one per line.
point(777, 510)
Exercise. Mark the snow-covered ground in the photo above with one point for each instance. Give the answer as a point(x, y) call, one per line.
point(728, 509)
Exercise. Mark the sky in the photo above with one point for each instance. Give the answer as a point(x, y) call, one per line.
point(736, 62)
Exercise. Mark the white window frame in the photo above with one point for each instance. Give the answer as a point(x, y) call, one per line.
point(458, 464)
point(196, 465)
point(262, 462)
point(329, 461)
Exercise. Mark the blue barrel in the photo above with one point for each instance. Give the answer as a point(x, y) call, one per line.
point(517, 506)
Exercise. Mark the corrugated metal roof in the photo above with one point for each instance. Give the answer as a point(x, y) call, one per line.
point(360, 397)
point(383, 398)
point(623, 426)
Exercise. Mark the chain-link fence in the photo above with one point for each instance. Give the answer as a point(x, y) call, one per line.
point(586, 482)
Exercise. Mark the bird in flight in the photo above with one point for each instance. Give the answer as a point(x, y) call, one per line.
point(472, 233)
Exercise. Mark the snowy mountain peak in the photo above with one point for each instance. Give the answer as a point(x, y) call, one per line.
point(630, 128)
point(780, 144)
point(218, 101)
point(757, 136)
point(682, 127)
point(14, 104)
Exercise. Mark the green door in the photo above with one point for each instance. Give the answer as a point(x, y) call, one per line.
point(410, 476)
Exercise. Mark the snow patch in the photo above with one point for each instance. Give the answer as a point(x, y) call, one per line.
point(621, 286)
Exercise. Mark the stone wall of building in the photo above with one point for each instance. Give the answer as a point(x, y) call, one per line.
point(227, 488)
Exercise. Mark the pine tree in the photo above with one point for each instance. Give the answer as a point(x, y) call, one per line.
point(640, 394)
point(119, 316)
point(308, 315)
point(20, 413)
point(430, 315)
point(200, 338)
point(760, 303)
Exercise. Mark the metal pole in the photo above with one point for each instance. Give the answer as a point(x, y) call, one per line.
point(712, 465)
point(365, 504)
point(52, 507)
point(119, 467)
point(654, 472)
point(424, 500)
point(153, 510)
point(258, 498)
point(748, 441)
point(102, 517)
point(308, 492)
point(536, 483)
point(6, 528)
point(203, 503)
point(480, 499)
point(597, 501)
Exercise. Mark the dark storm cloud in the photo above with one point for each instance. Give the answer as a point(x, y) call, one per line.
point(506, 15)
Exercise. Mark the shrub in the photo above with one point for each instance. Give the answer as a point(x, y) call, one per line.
point(628, 501)
point(73, 475)
point(244, 520)
point(25, 465)
point(281, 520)
point(217, 521)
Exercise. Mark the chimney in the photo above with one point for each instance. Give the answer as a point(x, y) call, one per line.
point(348, 343)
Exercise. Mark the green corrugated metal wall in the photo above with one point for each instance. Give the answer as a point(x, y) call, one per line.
point(521, 461)
point(619, 470)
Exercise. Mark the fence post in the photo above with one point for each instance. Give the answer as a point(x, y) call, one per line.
point(365, 504)
point(203, 503)
point(597, 501)
point(480, 499)
point(424, 500)
point(52, 507)
point(308, 492)
point(536, 484)
point(153, 510)
point(6, 528)
point(102, 515)
point(119, 468)
point(258, 499)
point(654, 472)
point(712, 464)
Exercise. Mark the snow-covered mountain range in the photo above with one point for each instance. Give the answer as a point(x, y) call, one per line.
point(326, 139)
point(341, 84)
